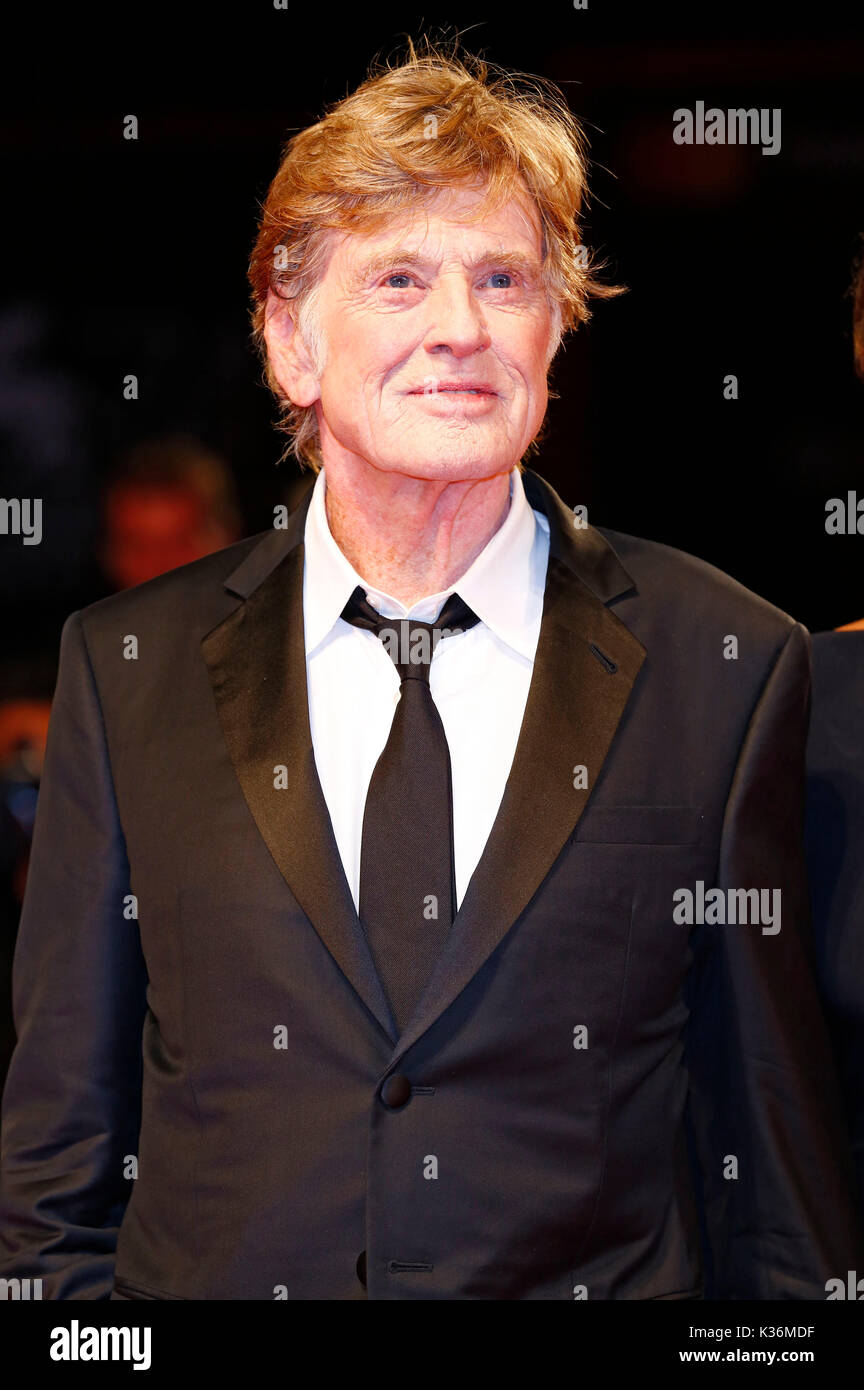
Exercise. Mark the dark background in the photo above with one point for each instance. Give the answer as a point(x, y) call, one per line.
point(131, 257)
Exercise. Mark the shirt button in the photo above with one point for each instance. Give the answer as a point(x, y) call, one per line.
point(396, 1091)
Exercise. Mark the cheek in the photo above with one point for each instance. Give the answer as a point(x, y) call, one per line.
point(374, 351)
point(534, 377)
point(539, 355)
point(526, 349)
point(536, 389)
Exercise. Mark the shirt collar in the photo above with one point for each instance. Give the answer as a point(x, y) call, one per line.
point(504, 585)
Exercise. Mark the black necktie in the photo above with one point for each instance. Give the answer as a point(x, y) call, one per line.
point(407, 885)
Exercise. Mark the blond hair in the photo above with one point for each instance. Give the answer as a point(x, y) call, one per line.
point(431, 122)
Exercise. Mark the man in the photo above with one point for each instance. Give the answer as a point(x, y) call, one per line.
point(365, 846)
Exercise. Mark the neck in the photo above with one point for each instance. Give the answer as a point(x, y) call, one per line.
point(411, 537)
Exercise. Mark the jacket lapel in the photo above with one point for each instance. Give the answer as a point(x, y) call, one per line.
point(256, 659)
point(584, 670)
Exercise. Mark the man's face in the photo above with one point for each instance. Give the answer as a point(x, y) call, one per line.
point(437, 335)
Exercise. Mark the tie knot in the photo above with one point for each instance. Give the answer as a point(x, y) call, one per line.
point(410, 643)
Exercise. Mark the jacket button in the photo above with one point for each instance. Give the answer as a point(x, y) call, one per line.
point(396, 1091)
point(361, 1267)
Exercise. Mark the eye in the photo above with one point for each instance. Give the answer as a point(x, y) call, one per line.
point(500, 275)
point(398, 275)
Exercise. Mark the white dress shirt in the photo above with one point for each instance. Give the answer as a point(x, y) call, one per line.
point(479, 679)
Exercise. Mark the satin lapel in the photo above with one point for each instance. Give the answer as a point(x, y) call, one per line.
point(584, 670)
point(257, 663)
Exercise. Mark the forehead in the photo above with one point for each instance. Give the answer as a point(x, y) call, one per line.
point(455, 221)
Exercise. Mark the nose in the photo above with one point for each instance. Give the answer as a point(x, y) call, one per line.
point(457, 323)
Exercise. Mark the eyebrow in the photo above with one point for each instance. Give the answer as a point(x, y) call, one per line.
point(387, 260)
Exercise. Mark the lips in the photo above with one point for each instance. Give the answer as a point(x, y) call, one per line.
point(473, 388)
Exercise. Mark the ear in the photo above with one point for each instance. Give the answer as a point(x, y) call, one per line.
point(288, 355)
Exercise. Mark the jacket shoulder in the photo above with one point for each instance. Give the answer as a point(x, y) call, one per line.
point(693, 589)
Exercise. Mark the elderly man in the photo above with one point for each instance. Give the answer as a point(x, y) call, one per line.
point(417, 906)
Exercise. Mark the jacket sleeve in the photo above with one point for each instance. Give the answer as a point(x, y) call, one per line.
point(71, 1105)
point(764, 1107)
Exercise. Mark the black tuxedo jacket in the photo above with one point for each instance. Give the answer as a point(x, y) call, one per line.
point(208, 1100)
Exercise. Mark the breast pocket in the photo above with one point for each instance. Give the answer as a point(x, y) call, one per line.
point(641, 825)
point(630, 863)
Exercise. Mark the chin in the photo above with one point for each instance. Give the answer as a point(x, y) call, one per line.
point(457, 460)
point(450, 470)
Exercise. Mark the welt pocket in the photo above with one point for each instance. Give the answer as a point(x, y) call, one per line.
point(127, 1289)
point(640, 825)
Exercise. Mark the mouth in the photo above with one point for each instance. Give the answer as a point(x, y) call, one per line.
point(455, 388)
